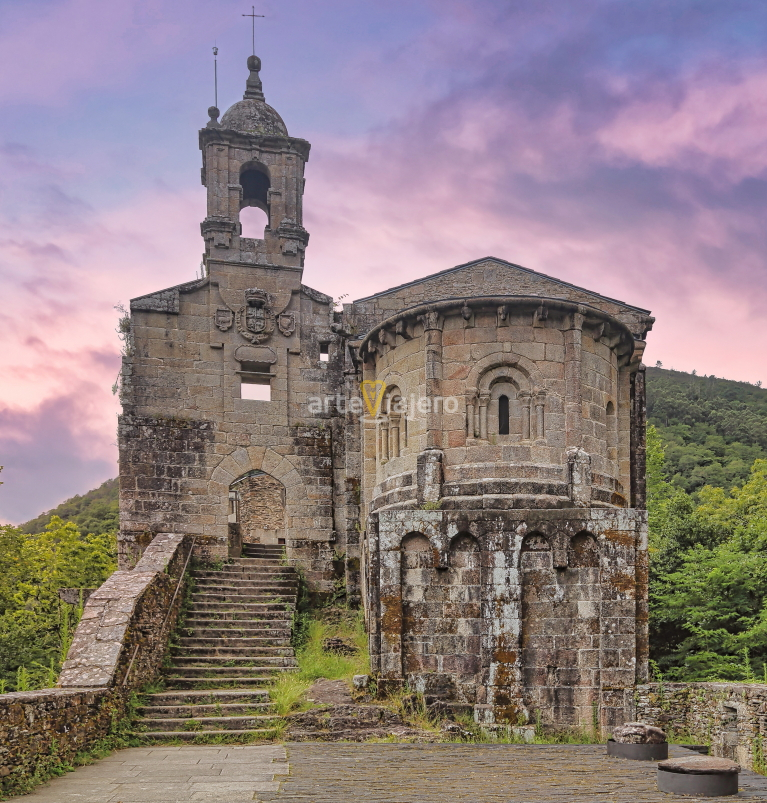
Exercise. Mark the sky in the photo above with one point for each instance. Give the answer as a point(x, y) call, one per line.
point(620, 145)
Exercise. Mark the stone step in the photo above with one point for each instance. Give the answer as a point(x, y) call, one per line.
point(275, 563)
point(241, 607)
point(237, 617)
point(228, 641)
point(280, 573)
point(219, 681)
point(234, 583)
point(220, 674)
point(246, 588)
point(194, 711)
point(241, 595)
point(203, 663)
point(211, 697)
point(191, 736)
point(246, 723)
point(223, 649)
point(218, 628)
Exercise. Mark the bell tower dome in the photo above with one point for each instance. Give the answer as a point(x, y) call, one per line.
point(248, 159)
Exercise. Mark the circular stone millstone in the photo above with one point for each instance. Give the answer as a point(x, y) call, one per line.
point(704, 776)
point(637, 752)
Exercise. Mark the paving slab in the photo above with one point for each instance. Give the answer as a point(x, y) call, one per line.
point(475, 773)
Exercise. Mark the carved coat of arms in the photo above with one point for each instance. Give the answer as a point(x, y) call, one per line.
point(224, 318)
point(286, 323)
point(255, 320)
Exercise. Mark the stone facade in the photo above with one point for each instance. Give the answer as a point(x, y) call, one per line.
point(472, 444)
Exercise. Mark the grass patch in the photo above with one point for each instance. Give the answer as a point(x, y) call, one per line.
point(288, 689)
point(287, 692)
point(315, 663)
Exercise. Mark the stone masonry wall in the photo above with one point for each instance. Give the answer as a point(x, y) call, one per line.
point(160, 457)
point(534, 613)
point(731, 717)
point(49, 725)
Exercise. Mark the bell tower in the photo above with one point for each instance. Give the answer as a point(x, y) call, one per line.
point(248, 159)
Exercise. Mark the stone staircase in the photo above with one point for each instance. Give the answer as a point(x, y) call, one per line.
point(233, 641)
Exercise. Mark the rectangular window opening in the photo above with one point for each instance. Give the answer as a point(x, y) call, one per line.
point(324, 352)
point(255, 391)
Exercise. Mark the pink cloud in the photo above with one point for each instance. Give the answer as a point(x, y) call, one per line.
point(718, 117)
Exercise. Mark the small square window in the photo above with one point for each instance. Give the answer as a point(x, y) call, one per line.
point(324, 352)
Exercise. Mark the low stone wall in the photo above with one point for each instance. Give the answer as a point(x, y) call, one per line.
point(124, 630)
point(39, 728)
point(119, 645)
point(731, 717)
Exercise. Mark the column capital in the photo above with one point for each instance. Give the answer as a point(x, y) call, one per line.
point(432, 320)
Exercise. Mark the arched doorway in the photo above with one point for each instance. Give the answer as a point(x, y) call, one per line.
point(257, 508)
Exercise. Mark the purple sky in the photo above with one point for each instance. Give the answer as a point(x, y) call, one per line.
point(617, 144)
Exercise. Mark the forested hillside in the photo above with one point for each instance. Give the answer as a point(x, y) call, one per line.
point(73, 546)
point(712, 429)
point(95, 512)
point(707, 489)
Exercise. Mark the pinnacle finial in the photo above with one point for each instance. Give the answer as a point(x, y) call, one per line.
point(253, 87)
point(213, 113)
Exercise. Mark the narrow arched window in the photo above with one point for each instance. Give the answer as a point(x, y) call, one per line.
point(503, 415)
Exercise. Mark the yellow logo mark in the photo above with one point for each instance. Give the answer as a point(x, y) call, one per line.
point(372, 393)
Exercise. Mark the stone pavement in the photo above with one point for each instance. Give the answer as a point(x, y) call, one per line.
point(474, 773)
point(369, 773)
point(226, 774)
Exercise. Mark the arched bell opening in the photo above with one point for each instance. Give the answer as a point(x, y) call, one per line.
point(254, 206)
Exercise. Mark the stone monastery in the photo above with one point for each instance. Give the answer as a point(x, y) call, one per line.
point(463, 455)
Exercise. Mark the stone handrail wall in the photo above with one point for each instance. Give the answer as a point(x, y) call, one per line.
point(125, 624)
point(118, 646)
point(731, 717)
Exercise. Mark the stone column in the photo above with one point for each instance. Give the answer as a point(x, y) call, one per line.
point(429, 475)
point(525, 398)
point(483, 402)
point(579, 470)
point(384, 440)
point(540, 407)
point(432, 324)
point(574, 396)
point(623, 425)
point(470, 419)
point(638, 439)
point(394, 428)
